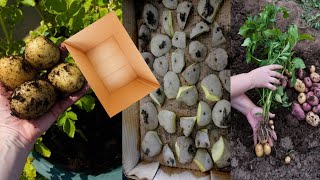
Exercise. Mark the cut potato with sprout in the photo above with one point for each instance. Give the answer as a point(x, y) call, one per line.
point(188, 95)
point(183, 11)
point(211, 87)
point(158, 96)
point(160, 44)
point(203, 114)
point(151, 144)
point(200, 28)
point(144, 37)
point(220, 153)
point(185, 149)
point(161, 65)
point(202, 139)
point(203, 160)
point(208, 9)
point(192, 73)
point(197, 51)
point(151, 16)
point(179, 40)
point(217, 36)
point(170, 4)
point(187, 124)
point(148, 115)
point(148, 58)
point(177, 61)
point(217, 59)
point(221, 113)
point(167, 23)
point(167, 119)
point(168, 156)
point(171, 84)
point(224, 76)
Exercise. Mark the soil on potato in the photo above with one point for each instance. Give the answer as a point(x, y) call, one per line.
point(296, 137)
point(100, 154)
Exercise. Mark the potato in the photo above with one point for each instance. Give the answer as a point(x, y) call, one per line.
point(259, 150)
point(297, 111)
point(301, 73)
point(312, 119)
point(315, 77)
point(167, 119)
point(312, 69)
point(307, 81)
point(14, 71)
point(148, 115)
point(221, 113)
point(67, 78)
point(203, 160)
point(267, 149)
point(309, 94)
point(287, 160)
point(32, 99)
point(313, 100)
point(316, 92)
point(302, 98)
point(187, 124)
point(151, 16)
point(42, 53)
point(316, 109)
point(306, 107)
point(315, 86)
point(151, 144)
point(168, 156)
point(202, 139)
point(221, 153)
point(185, 149)
point(299, 86)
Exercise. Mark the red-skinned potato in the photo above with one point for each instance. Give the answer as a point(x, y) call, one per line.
point(306, 90)
point(313, 100)
point(312, 69)
point(316, 109)
point(310, 93)
point(307, 81)
point(284, 81)
point(315, 77)
point(298, 112)
point(301, 73)
point(315, 86)
point(299, 86)
point(316, 92)
point(302, 98)
point(306, 107)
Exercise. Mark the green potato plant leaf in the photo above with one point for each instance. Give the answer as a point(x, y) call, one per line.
point(3, 3)
point(86, 103)
point(41, 148)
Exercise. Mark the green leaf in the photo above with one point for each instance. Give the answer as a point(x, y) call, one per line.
point(285, 13)
point(3, 3)
point(87, 5)
point(280, 90)
point(29, 171)
point(72, 115)
point(30, 3)
point(42, 149)
point(293, 79)
point(70, 60)
point(55, 6)
point(293, 32)
point(246, 42)
point(62, 119)
point(306, 37)
point(278, 98)
point(272, 32)
point(298, 63)
point(87, 103)
point(243, 30)
point(69, 128)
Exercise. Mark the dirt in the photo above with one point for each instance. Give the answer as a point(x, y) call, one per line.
point(295, 138)
point(100, 154)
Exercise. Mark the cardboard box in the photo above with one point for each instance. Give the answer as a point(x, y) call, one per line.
point(111, 63)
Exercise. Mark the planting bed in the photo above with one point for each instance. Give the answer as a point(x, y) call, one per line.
point(296, 138)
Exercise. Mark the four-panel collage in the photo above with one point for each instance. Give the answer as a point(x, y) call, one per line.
point(159, 89)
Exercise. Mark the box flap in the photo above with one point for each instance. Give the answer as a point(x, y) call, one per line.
point(144, 170)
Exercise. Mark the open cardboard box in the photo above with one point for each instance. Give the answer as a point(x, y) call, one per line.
point(112, 64)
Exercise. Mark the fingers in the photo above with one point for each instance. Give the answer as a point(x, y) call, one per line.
point(270, 141)
point(276, 74)
point(271, 87)
point(255, 137)
point(274, 81)
point(274, 67)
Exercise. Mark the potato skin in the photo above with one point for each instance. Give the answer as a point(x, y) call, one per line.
point(32, 99)
point(14, 71)
point(42, 53)
point(67, 78)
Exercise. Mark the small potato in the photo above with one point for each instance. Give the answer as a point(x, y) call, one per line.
point(289, 74)
point(316, 92)
point(297, 111)
point(272, 127)
point(302, 98)
point(315, 86)
point(287, 160)
point(14, 71)
point(306, 107)
point(313, 100)
point(306, 90)
point(312, 119)
point(267, 149)
point(310, 93)
point(271, 122)
point(301, 73)
point(312, 69)
point(307, 81)
point(259, 150)
point(315, 77)
point(299, 86)
point(316, 109)
point(67, 78)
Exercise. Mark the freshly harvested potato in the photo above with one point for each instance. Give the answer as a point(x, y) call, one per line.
point(301, 73)
point(203, 160)
point(192, 73)
point(185, 149)
point(312, 119)
point(312, 69)
point(188, 95)
point(67, 78)
point(315, 77)
point(259, 150)
point(297, 111)
point(220, 113)
point(221, 153)
point(307, 81)
point(32, 99)
point(42, 53)
point(217, 59)
point(171, 84)
point(203, 114)
point(316, 109)
point(299, 86)
point(148, 116)
point(168, 156)
point(14, 71)
point(313, 100)
point(187, 124)
point(302, 98)
point(167, 119)
point(202, 139)
point(211, 86)
point(267, 148)
point(151, 16)
point(306, 107)
point(158, 96)
point(151, 144)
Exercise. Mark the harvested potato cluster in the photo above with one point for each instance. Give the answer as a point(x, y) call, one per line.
point(185, 51)
point(33, 93)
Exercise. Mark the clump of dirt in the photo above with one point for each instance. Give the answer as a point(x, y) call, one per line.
point(296, 138)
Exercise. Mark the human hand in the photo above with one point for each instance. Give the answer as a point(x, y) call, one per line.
point(29, 130)
point(254, 117)
point(266, 76)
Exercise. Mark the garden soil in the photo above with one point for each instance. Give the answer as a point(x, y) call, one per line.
point(295, 138)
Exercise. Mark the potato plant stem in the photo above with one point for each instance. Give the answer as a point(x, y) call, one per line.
point(4, 28)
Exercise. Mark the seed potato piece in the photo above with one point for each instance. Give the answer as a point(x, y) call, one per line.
point(185, 149)
point(144, 36)
point(187, 124)
point(168, 156)
point(220, 153)
point(67, 78)
point(32, 99)
point(221, 112)
point(170, 4)
point(224, 76)
point(200, 28)
point(14, 71)
point(158, 96)
point(160, 44)
point(167, 23)
point(217, 36)
point(183, 10)
point(167, 119)
point(171, 84)
point(312, 119)
point(192, 73)
point(203, 114)
point(208, 9)
point(149, 58)
point(42, 53)
point(197, 51)
point(177, 61)
point(188, 95)
point(217, 59)
point(212, 87)
point(179, 40)
point(148, 115)
point(151, 16)
point(161, 65)
point(151, 144)
point(203, 160)
point(202, 139)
